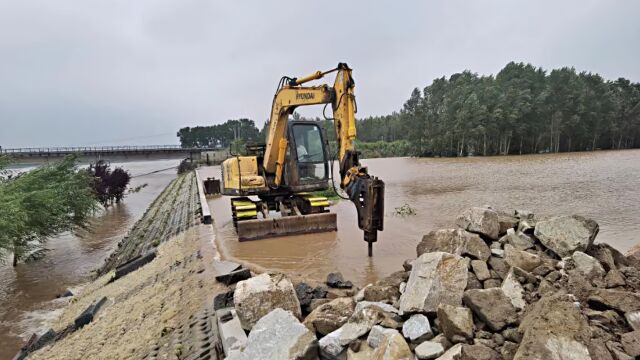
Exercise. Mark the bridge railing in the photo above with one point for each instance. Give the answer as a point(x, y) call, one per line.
point(76, 149)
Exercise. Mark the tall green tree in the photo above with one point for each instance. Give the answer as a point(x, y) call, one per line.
point(523, 109)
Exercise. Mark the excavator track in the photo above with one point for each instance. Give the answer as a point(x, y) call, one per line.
point(243, 208)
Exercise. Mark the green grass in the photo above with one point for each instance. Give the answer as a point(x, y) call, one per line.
point(328, 193)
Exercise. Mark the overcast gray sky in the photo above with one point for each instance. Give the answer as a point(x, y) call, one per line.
point(134, 72)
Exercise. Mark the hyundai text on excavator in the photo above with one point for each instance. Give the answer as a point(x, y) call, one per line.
point(295, 162)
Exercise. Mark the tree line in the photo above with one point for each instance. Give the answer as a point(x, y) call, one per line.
point(522, 109)
point(220, 135)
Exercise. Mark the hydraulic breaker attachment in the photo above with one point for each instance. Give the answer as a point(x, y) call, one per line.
point(367, 193)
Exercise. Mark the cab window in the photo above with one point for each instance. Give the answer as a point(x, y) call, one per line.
point(308, 143)
point(309, 150)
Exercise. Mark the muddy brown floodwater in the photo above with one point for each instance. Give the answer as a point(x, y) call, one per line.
point(28, 291)
point(602, 185)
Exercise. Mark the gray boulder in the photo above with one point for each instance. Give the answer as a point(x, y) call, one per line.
point(616, 349)
point(279, 336)
point(436, 278)
point(491, 283)
point(491, 306)
point(514, 290)
point(506, 222)
point(614, 278)
point(518, 240)
point(620, 300)
point(470, 352)
point(587, 265)
point(454, 353)
point(566, 234)
point(481, 221)
point(417, 329)
point(386, 289)
point(554, 329)
point(377, 334)
point(330, 316)
point(386, 307)
point(336, 280)
point(454, 241)
point(522, 259)
point(481, 269)
point(497, 252)
point(472, 281)
point(598, 350)
point(232, 335)
point(524, 214)
point(360, 352)
point(363, 320)
point(633, 318)
point(258, 296)
point(351, 331)
point(330, 347)
point(429, 350)
point(498, 265)
point(631, 343)
point(456, 323)
point(393, 347)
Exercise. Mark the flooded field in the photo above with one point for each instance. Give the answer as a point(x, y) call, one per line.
point(602, 185)
point(26, 291)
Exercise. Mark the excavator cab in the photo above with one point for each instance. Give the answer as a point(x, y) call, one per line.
point(307, 163)
point(291, 208)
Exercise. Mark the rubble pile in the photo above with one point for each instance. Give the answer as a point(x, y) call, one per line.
point(501, 286)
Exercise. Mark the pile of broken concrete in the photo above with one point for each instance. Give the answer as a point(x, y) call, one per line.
point(501, 286)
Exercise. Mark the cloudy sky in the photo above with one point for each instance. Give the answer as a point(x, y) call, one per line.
point(134, 72)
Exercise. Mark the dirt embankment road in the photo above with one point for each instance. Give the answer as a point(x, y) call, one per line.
point(143, 306)
point(149, 306)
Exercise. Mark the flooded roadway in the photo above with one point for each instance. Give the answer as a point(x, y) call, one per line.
point(26, 291)
point(602, 185)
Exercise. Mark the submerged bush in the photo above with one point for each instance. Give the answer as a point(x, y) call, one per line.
point(109, 186)
point(186, 165)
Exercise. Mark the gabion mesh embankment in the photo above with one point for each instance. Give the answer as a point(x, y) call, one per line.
point(172, 212)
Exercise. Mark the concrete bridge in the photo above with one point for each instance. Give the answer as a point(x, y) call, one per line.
point(114, 153)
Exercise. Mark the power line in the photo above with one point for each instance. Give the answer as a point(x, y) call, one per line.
point(153, 172)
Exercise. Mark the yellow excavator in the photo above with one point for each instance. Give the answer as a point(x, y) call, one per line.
point(296, 161)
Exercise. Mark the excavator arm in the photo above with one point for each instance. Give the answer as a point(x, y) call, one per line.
point(365, 191)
